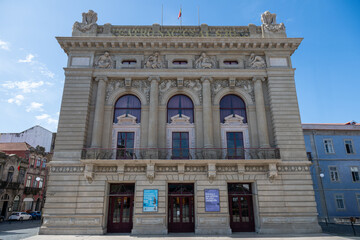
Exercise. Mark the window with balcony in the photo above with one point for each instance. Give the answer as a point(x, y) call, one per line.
point(125, 145)
point(21, 175)
point(340, 202)
point(329, 147)
point(180, 105)
point(38, 163)
point(41, 182)
point(235, 145)
point(10, 174)
point(355, 174)
point(180, 145)
point(28, 181)
point(128, 104)
point(35, 183)
point(231, 105)
point(334, 174)
point(349, 146)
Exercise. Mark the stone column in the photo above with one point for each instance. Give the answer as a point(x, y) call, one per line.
point(153, 112)
point(207, 113)
point(99, 112)
point(260, 112)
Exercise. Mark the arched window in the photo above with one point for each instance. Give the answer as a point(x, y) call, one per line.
point(16, 203)
point(10, 174)
point(128, 104)
point(232, 104)
point(182, 105)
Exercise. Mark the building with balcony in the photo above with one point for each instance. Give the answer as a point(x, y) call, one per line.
point(179, 129)
point(30, 180)
point(12, 175)
point(334, 150)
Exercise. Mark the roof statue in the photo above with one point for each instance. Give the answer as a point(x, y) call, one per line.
point(88, 23)
point(269, 22)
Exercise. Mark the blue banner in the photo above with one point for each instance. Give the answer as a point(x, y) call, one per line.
point(212, 200)
point(150, 202)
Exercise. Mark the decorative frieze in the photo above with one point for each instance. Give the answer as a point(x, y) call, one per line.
point(293, 168)
point(105, 169)
point(231, 168)
point(195, 169)
point(135, 169)
point(67, 169)
point(166, 169)
point(256, 168)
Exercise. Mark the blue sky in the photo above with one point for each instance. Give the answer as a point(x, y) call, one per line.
point(31, 61)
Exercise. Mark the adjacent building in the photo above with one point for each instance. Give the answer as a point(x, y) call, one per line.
point(23, 169)
point(334, 150)
point(34, 136)
point(179, 129)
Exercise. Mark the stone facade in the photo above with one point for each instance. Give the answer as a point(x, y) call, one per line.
point(205, 64)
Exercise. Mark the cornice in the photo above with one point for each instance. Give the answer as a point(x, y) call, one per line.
point(178, 43)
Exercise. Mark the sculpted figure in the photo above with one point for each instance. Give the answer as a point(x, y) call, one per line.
point(165, 85)
point(105, 61)
point(204, 62)
point(88, 21)
point(154, 61)
point(269, 22)
point(256, 62)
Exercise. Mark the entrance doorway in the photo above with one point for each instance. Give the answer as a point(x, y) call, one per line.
point(241, 207)
point(121, 205)
point(181, 208)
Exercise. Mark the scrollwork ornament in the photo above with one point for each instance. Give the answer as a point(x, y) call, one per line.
point(112, 86)
point(217, 85)
point(164, 86)
point(196, 86)
point(143, 86)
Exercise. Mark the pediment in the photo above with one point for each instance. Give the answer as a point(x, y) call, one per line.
point(180, 120)
point(234, 119)
point(126, 119)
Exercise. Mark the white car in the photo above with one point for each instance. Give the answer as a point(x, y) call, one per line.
point(20, 216)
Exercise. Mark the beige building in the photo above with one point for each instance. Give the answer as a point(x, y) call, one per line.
point(179, 129)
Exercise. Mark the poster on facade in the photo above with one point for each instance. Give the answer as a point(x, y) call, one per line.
point(150, 202)
point(212, 200)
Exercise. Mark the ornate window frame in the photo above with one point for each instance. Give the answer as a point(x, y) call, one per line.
point(234, 124)
point(180, 124)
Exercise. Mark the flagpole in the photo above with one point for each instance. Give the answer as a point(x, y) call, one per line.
point(162, 15)
point(198, 15)
point(181, 17)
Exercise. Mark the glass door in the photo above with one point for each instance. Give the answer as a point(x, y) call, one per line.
point(235, 145)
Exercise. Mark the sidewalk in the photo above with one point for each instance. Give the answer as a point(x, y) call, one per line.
point(245, 236)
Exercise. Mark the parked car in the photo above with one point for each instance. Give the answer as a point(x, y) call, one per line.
point(20, 216)
point(35, 215)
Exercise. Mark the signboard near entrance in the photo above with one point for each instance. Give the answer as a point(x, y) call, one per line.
point(212, 200)
point(150, 201)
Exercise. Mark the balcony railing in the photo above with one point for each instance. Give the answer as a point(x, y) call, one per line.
point(9, 185)
point(180, 153)
point(32, 190)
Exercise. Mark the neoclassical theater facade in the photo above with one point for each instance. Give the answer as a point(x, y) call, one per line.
point(179, 129)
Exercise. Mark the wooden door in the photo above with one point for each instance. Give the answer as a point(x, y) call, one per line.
point(120, 214)
point(181, 214)
point(241, 213)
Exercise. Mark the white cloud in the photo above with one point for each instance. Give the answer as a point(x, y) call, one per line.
point(28, 59)
point(42, 116)
point(25, 86)
point(35, 106)
point(47, 118)
point(17, 99)
point(4, 45)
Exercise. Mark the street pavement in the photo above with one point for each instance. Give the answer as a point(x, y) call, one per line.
point(189, 237)
point(15, 230)
point(29, 230)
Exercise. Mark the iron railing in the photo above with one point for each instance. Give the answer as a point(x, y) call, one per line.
point(9, 185)
point(180, 153)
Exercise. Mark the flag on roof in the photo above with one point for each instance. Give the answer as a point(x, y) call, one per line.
point(179, 16)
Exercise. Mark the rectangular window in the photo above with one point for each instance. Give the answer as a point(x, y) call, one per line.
point(28, 181)
point(180, 145)
point(235, 145)
point(41, 183)
point(349, 147)
point(355, 174)
point(340, 203)
point(44, 163)
point(328, 145)
point(125, 145)
point(38, 162)
point(334, 174)
point(34, 183)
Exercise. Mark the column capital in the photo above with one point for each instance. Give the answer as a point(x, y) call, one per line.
point(204, 78)
point(103, 78)
point(154, 78)
point(261, 78)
